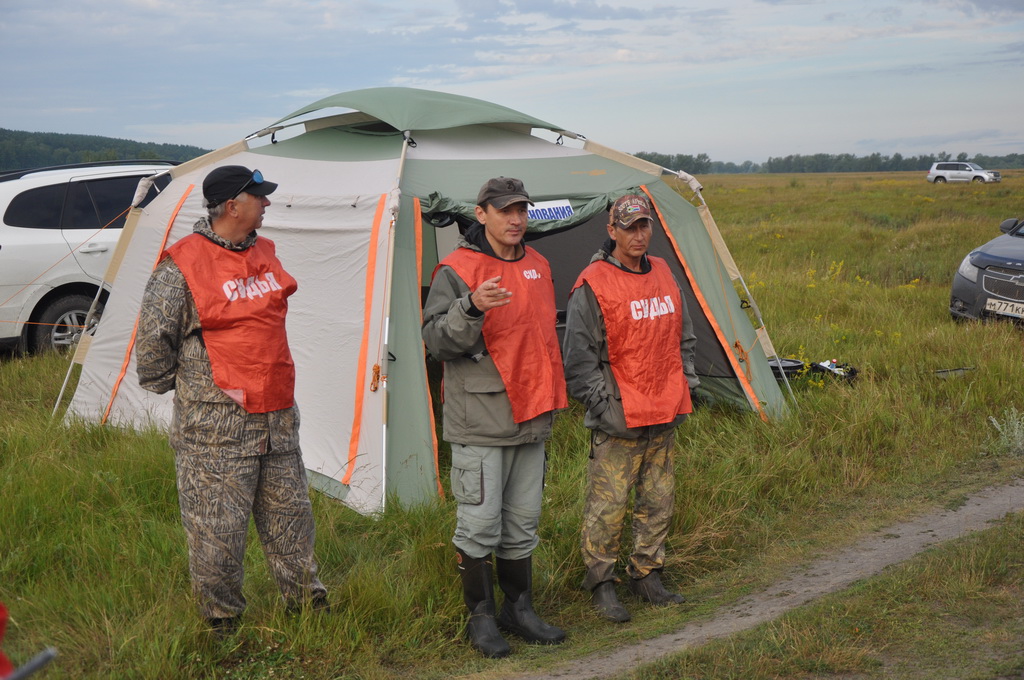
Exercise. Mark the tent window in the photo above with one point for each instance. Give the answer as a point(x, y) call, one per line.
point(375, 128)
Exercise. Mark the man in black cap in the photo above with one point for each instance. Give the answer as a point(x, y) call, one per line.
point(490, 317)
point(212, 328)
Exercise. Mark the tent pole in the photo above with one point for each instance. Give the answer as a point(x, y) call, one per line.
point(396, 197)
point(764, 329)
point(81, 338)
point(696, 187)
point(63, 387)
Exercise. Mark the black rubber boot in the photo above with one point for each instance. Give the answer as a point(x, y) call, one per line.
point(607, 603)
point(517, 616)
point(650, 589)
point(478, 593)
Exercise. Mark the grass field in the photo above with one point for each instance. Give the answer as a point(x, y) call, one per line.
point(851, 267)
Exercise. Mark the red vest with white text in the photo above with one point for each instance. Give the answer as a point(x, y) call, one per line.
point(242, 299)
point(643, 321)
point(520, 336)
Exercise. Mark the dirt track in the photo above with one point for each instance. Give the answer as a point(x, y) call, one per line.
point(864, 559)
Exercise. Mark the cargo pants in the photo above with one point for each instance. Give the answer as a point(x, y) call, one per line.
point(618, 465)
point(499, 491)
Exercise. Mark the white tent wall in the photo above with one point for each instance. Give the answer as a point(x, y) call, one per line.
point(322, 219)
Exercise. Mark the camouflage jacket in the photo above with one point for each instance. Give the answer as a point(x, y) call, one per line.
point(170, 355)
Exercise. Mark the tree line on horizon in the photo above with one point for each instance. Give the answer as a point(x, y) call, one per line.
point(22, 150)
point(701, 164)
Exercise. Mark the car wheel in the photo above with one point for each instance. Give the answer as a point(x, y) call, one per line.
point(62, 322)
point(940, 180)
point(978, 179)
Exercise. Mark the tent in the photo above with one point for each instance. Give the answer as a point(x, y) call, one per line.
point(369, 199)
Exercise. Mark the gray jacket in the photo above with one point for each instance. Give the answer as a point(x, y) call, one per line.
point(477, 410)
point(588, 372)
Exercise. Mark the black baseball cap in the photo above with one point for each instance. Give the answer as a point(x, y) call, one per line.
point(228, 181)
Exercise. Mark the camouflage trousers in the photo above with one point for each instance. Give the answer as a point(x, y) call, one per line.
point(644, 465)
point(217, 495)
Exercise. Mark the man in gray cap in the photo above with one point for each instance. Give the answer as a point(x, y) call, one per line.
point(490, 317)
point(212, 328)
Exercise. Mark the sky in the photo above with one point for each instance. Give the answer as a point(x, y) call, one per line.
point(737, 80)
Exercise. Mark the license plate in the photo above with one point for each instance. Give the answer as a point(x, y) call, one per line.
point(1005, 307)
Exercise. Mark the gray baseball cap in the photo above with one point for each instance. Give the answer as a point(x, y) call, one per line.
point(502, 192)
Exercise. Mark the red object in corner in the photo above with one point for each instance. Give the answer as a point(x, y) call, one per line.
point(6, 667)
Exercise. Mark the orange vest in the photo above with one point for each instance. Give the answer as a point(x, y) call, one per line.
point(242, 299)
point(643, 321)
point(520, 336)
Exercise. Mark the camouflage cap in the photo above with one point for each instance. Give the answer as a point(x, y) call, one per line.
point(628, 209)
point(502, 192)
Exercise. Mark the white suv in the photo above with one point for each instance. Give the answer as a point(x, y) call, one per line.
point(958, 171)
point(54, 249)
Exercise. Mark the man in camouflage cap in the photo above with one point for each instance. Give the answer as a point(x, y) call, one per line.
point(628, 354)
point(212, 328)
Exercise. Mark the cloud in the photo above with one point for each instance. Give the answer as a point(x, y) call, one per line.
point(757, 76)
point(933, 141)
point(208, 135)
point(994, 7)
point(1013, 48)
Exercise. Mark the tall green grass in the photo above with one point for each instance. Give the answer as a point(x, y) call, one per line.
point(856, 268)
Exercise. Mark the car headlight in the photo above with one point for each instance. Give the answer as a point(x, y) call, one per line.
point(968, 270)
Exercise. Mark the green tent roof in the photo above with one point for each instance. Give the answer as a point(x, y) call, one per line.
point(411, 109)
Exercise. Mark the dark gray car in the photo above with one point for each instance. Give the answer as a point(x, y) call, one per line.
point(990, 280)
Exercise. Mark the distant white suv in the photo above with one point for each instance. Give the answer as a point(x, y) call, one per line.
point(959, 171)
point(58, 230)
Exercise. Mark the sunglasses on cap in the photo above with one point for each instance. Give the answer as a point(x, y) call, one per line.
point(256, 178)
